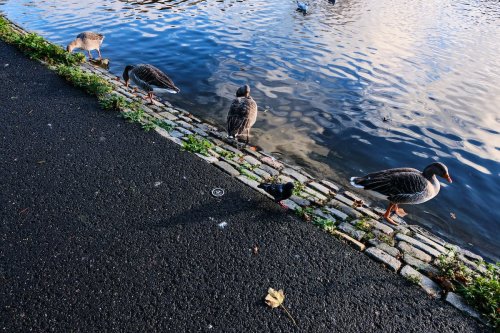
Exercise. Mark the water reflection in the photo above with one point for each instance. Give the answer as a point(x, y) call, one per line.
point(350, 87)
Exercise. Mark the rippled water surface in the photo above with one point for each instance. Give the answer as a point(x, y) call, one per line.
point(351, 87)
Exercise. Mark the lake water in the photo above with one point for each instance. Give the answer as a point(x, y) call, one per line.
point(351, 87)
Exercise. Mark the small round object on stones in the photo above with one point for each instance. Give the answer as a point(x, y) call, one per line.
point(217, 192)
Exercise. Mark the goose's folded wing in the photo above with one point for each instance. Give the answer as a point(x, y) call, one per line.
point(395, 184)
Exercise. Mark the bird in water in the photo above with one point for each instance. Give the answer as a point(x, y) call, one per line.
point(403, 186)
point(302, 6)
point(278, 191)
point(242, 114)
point(87, 41)
point(150, 79)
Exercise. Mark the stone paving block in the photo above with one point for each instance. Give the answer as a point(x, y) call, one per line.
point(175, 140)
point(368, 212)
point(176, 134)
point(414, 262)
point(424, 232)
point(255, 154)
point(337, 213)
point(290, 204)
point(345, 209)
point(388, 249)
point(263, 174)
point(184, 131)
point(408, 248)
point(233, 150)
point(429, 242)
point(472, 265)
point(269, 170)
point(471, 256)
point(320, 188)
point(185, 124)
point(324, 215)
point(273, 163)
point(200, 132)
point(332, 186)
point(250, 182)
point(459, 302)
point(384, 258)
point(292, 173)
point(315, 193)
point(430, 287)
point(344, 200)
point(379, 226)
point(251, 160)
point(357, 245)
point(286, 179)
point(352, 196)
point(418, 244)
point(209, 159)
point(300, 201)
point(227, 168)
point(350, 230)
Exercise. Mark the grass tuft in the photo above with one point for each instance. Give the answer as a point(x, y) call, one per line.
point(196, 144)
point(91, 83)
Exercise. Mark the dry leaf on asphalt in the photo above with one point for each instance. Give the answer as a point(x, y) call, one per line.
point(274, 298)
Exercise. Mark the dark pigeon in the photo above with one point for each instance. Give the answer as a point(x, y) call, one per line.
point(278, 191)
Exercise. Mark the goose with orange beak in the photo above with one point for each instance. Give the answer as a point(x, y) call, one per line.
point(403, 186)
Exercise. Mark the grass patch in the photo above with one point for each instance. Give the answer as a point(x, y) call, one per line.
point(323, 223)
point(415, 279)
point(160, 123)
point(363, 226)
point(386, 239)
point(113, 102)
point(483, 293)
point(298, 188)
point(134, 116)
point(91, 83)
point(36, 47)
point(247, 174)
point(450, 267)
point(198, 145)
point(304, 213)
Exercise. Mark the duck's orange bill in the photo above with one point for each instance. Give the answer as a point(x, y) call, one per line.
point(448, 178)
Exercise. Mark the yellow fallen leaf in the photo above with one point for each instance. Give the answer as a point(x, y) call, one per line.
point(274, 298)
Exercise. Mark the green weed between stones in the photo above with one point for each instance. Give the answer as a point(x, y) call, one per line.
point(113, 102)
point(37, 47)
point(247, 174)
point(363, 225)
point(298, 188)
point(160, 123)
point(196, 144)
point(134, 116)
point(323, 223)
point(415, 279)
point(91, 83)
point(481, 291)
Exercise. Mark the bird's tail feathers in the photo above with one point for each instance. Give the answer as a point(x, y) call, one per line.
point(353, 182)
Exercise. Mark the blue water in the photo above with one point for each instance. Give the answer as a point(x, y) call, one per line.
point(325, 81)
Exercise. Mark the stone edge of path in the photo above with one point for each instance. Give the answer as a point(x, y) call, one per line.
point(317, 200)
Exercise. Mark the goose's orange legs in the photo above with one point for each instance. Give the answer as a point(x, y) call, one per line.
point(387, 215)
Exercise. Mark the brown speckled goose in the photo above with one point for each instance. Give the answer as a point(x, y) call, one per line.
point(87, 41)
point(150, 79)
point(242, 114)
point(403, 185)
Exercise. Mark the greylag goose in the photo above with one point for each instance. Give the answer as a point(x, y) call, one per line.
point(242, 114)
point(150, 79)
point(403, 185)
point(278, 191)
point(87, 41)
